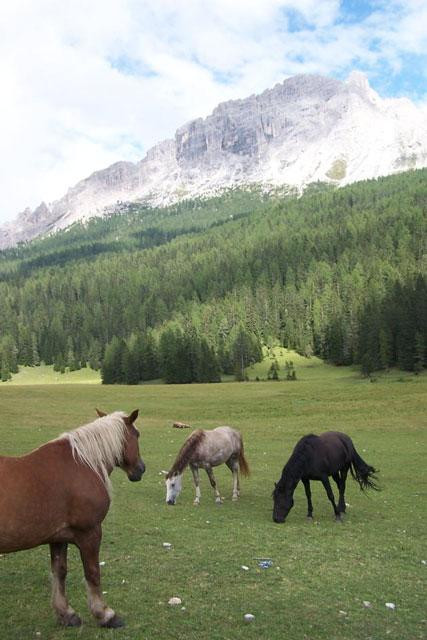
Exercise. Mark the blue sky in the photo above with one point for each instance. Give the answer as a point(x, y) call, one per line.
point(87, 84)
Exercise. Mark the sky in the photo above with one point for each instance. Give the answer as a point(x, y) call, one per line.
point(87, 83)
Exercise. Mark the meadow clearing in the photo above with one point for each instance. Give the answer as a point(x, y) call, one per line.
point(321, 573)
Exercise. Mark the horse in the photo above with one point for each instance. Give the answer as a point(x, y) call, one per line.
point(60, 493)
point(316, 458)
point(206, 449)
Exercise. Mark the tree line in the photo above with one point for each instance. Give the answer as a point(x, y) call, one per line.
point(178, 356)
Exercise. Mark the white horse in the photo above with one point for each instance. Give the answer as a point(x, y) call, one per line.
point(207, 449)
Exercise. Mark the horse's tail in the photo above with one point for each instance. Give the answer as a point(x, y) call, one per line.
point(363, 472)
point(243, 463)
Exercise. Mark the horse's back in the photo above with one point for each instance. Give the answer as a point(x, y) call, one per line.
point(336, 447)
point(227, 430)
point(229, 433)
point(221, 443)
point(336, 439)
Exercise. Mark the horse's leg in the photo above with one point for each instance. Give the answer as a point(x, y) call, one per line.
point(340, 479)
point(343, 479)
point(88, 543)
point(329, 492)
point(306, 484)
point(213, 485)
point(58, 559)
point(233, 464)
point(196, 478)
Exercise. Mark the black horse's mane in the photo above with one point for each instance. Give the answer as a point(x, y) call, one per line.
point(294, 468)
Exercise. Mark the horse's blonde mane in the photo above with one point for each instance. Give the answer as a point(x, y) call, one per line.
point(99, 444)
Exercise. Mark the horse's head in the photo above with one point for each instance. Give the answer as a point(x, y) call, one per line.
point(131, 461)
point(283, 502)
point(173, 487)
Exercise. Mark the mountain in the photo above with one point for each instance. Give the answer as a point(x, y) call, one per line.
point(306, 129)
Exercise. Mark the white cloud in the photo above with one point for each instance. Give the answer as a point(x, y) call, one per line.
point(85, 84)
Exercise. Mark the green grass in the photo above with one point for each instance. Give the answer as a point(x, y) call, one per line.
point(307, 369)
point(319, 571)
point(44, 374)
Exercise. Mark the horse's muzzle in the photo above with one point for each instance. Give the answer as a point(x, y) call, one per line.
point(136, 474)
point(172, 502)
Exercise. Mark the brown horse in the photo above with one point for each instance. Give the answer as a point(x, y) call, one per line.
point(60, 493)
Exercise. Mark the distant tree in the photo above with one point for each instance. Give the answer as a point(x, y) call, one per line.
point(5, 372)
point(225, 359)
point(209, 370)
point(384, 348)
point(59, 363)
point(72, 361)
point(95, 355)
point(129, 366)
point(419, 352)
point(35, 350)
point(290, 370)
point(273, 372)
point(9, 353)
point(112, 365)
point(246, 350)
point(25, 346)
point(169, 349)
point(149, 363)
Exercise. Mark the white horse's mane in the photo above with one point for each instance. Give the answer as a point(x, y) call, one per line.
point(99, 444)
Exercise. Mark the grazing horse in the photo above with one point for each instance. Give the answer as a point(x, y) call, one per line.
point(60, 494)
point(315, 458)
point(207, 449)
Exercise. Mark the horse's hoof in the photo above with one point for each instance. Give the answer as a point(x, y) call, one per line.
point(113, 623)
point(218, 501)
point(310, 519)
point(339, 519)
point(235, 498)
point(196, 504)
point(71, 620)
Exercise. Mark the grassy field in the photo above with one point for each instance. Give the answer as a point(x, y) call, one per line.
point(321, 572)
point(44, 374)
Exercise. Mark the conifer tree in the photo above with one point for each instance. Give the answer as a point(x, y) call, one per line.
point(209, 370)
point(95, 355)
point(419, 352)
point(112, 365)
point(5, 372)
point(169, 355)
point(129, 366)
point(149, 365)
point(35, 350)
point(273, 373)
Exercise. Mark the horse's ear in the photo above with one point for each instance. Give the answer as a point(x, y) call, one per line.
point(101, 414)
point(133, 416)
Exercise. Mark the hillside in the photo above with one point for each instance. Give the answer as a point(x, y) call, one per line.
point(336, 273)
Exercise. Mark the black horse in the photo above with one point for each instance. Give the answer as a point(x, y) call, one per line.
point(315, 458)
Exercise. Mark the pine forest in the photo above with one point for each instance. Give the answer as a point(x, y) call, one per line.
point(190, 292)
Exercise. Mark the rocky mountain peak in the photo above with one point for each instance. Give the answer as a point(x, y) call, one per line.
point(304, 129)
